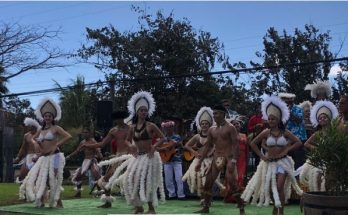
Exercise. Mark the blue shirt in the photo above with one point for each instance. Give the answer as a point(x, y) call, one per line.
point(298, 130)
point(178, 155)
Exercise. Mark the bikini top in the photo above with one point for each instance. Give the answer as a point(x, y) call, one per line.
point(276, 141)
point(49, 136)
point(141, 134)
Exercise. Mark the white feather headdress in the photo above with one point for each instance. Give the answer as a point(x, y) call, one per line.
point(287, 95)
point(31, 122)
point(205, 113)
point(48, 105)
point(306, 104)
point(275, 106)
point(320, 107)
point(319, 86)
point(141, 98)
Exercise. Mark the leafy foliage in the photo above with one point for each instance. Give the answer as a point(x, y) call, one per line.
point(331, 156)
point(283, 49)
point(20, 108)
point(78, 104)
point(162, 47)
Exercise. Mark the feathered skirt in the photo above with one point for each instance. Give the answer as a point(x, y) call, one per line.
point(309, 176)
point(139, 178)
point(196, 180)
point(263, 182)
point(46, 173)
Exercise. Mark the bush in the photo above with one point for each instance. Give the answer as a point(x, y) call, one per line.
point(331, 156)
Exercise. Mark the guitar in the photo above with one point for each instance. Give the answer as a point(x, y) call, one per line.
point(167, 150)
point(188, 155)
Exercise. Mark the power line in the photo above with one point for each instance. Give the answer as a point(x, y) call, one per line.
point(243, 70)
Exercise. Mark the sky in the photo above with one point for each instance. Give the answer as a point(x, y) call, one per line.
point(239, 25)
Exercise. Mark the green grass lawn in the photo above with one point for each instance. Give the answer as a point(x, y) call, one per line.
point(9, 204)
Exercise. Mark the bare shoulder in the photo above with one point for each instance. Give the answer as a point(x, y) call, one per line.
point(151, 125)
point(57, 128)
point(264, 133)
point(114, 129)
point(287, 133)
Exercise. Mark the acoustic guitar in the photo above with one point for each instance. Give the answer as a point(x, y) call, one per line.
point(188, 155)
point(167, 150)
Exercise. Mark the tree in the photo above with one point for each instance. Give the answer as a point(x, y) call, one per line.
point(25, 48)
point(3, 88)
point(162, 47)
point(302, 47)
point(77, 104)
point(20, 108)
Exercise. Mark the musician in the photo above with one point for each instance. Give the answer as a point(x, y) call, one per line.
point(174, 165)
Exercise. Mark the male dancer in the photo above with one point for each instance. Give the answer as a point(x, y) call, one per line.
point(90, 161)
point(223, 136)
point(28, 149)
point(119, 134)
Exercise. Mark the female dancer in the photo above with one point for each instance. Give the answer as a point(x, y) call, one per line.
point(143, 175)
point(275, 172)
point(48, 169)
point(322, 113)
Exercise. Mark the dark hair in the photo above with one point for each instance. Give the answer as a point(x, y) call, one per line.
point(281, 126)
point(220, 108)
point(135, 119)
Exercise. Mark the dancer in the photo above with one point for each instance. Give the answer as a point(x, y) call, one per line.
point(90, 161)
point(119, 135)
point(343, 110)
point(225, 139)
point(142, 177)
point(322, 113)
point(320, 90)
point(196, 179)
point(28, 149)
point(275, 172)
point(48, 169)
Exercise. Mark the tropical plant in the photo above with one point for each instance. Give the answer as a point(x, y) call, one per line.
point(331, 156)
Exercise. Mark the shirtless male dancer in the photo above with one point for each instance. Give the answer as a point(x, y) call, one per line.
point(89, 162)
point(119, 134)
point(28, 149)
point(226, 141)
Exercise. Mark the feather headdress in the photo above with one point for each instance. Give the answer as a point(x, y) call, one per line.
point(319, 87)
point(48, 105)
point(275, 106)
point(139, 99)
point(321, 107)
point(205, 113)
point(31, 122)
point(287, 95)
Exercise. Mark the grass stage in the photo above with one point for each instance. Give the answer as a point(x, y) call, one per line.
point(88, 205)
